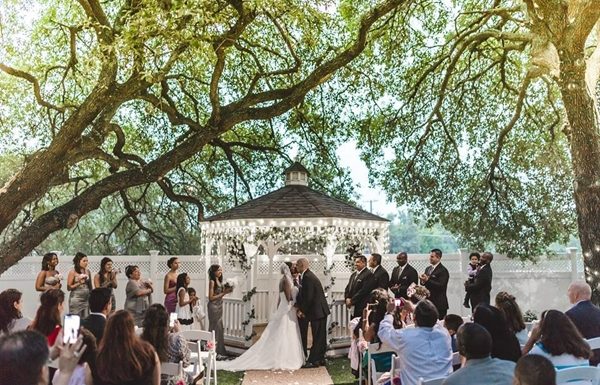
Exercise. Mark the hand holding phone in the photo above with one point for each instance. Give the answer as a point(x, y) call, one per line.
point(71, 328)
point(172, 319)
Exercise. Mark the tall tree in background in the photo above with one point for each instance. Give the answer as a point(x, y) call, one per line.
point(101, 97)
point(490, 109)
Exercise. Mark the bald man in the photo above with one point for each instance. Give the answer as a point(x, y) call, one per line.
point(584, 314)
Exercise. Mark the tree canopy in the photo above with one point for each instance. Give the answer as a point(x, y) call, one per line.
point(145, 107)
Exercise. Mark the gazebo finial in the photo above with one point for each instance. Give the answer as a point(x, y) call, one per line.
point(296, 174)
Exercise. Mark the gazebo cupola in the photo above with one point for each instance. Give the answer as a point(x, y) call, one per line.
point(296, 174)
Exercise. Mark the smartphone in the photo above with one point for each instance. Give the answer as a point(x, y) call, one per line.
point(172, 319)
point(399, 302)
point(71, 328)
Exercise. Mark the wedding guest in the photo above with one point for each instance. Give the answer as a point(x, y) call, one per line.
point(216, 292)
point(512, 313)
point(100, 305)
point(505, 345)
point(48, 278)
point(170, 285)
point(423, 351)
point(183, 310)
point(471, 273)
point(372, 316)
point(107, 277)
point(403, 276)
point(558, 340)
point(359, 286)
point(584, 314)
point(24, 359)
point(82, 374)
point(481, 286)
point(138, 294)
point(452, 322)
point(381, 278)
point(435, 279)
point(11, 318)
point(534, 370)
point(48, 318)
point(475, 344)
point(123, 358)
point(170, 347)
point(79, 283)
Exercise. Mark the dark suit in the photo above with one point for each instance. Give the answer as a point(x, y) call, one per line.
point(311, 301)
point(381, 278)
point(358, 289)
point(404, 279)
point(586, 316)
point(95, 324)
point(481, 286)
point(437, 285)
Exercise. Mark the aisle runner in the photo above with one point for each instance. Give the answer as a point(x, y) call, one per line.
point(314, 376)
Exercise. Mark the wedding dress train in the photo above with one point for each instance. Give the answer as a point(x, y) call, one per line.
point(279, 347)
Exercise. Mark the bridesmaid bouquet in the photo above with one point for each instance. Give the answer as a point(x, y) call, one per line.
point(230, 283)
point(52, 281)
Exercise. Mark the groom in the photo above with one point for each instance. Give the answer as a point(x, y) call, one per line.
point(312, 307)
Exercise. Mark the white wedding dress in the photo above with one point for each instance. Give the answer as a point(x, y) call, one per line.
point(279, 346)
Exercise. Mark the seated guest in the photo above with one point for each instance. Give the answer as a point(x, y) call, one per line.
point(170, 347)
point(372, 316)
point(584, 314)
point(11, 319)
point(100, 306)
point(559, 341)
point(124, 359)
point(452, 322)
point(423, 351)
point(512, 313)
point(82, 374)
point(475, 344)
point(505, 345)
point(48, 318)
point(534, 370)
point(24, 359)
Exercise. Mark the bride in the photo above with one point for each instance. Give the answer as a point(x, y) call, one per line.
point(279, 346)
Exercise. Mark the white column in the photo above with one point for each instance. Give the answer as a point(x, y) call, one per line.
point(329, 251)
point(572, 254)
point(152, 274)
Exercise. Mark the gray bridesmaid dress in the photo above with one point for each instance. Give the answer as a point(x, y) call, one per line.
point(215, 319)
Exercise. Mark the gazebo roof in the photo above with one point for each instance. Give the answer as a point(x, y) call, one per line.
point(295, 201)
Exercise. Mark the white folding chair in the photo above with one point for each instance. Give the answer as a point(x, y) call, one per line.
point(433, 381)
point(194, 339)
point(594, 343)
point(171, 368)
point(581, 373)
point(376, 348)
point(195, 354)
point(360, 358)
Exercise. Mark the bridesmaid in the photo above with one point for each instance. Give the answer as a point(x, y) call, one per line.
point(107, 277)
point(48, 278)
point(170, 285)
point(79, 283)
point(216, 292)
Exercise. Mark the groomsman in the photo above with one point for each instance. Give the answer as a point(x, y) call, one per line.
point(435, 279)
point(380, 274)
point(403, 276)
point(360, 285)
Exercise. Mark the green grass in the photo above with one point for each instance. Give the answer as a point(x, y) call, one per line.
point(339, 370)
point(229, 378)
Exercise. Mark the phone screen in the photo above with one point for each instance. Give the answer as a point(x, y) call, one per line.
point(71, 328)
point(399, 302)
point(172, 318)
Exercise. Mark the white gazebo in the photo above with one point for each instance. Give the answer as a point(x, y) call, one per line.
point(294, 217)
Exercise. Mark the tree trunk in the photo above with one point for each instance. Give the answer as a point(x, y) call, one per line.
point(585, 156)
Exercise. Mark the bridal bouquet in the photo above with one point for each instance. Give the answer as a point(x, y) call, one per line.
point(230, 283)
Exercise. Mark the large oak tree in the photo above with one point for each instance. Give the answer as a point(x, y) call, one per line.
point(109, 99)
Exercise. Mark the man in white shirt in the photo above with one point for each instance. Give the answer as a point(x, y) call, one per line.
point(423, 351)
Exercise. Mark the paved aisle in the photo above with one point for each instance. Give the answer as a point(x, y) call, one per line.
point(314, 376)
